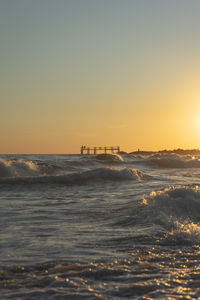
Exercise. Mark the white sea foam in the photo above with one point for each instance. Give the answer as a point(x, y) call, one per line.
point(182, 232)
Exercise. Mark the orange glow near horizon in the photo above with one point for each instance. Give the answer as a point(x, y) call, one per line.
point(148, 125)
point(137, 129)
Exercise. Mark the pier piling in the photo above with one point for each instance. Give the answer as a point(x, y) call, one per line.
point(89, 150)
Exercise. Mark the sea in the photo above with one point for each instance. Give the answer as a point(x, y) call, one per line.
point(103, 226)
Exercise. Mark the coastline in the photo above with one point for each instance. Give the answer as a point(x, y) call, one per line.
point(175, 151)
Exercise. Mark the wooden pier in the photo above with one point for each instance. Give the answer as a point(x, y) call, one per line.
point(93, 150)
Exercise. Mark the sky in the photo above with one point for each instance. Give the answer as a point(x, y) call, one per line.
point(99, 73)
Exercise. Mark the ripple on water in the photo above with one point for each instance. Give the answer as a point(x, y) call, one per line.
point(150, 272)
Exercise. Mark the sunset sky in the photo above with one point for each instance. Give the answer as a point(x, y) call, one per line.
point(99, 73)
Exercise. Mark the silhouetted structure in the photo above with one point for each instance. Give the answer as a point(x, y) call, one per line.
point(87, 150)
point(175, 151)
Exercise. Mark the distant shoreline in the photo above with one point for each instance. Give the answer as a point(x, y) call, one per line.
point(175, 151)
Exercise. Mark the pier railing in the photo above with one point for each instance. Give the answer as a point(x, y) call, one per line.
point(90, 150)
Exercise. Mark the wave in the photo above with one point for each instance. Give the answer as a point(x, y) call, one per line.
point(107, 157)
point(178, 211)
point(16, 168)
point(179, 202)
point(169, 216)
point(100, 174)
point(27, 168)
point(172, 161)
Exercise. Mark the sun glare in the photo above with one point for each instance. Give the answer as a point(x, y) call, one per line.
point(197, 122)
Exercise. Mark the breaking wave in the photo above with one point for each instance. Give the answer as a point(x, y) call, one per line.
point(179, 202)
point(172, 161)
point(16, 168)
point(177, 210)
point(100, 174)
point(24, 168)
point(169, 216)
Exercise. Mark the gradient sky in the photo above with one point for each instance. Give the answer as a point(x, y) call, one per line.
point(99, 72)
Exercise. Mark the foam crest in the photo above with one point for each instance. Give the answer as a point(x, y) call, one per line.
point(17, 168)
point(173, 161)
point(185, 232)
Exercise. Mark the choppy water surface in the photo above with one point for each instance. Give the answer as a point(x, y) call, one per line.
point(99, 227)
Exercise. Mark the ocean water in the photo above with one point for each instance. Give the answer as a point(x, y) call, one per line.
point(99, 227)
